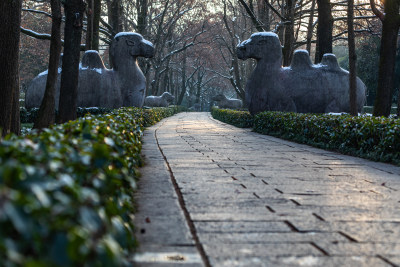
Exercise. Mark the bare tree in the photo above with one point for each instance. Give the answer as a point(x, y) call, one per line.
point(352, 59)
point(74, 11)
point(10, 20)
point(324, 29)
point(46, 115)
point(93, 24)
point(390, 28)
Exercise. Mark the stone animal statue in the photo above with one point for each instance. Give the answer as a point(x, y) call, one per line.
point(159, 101)
point(224, 102)
point(196, 107)
point(122, 86)
point(302, 87)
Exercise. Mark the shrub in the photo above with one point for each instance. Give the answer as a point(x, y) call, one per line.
point(365, 136)
point(66, 194)
point(242, 119)
point(29, 115)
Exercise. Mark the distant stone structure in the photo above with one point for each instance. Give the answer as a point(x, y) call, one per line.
point(302, 87)
point(224, 102)
point(195, 107)
point(164, 100)
point(122, 86)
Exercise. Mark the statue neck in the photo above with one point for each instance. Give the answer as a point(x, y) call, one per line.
point(268, 64)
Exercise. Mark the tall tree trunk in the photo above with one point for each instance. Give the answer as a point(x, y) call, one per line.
point(46, 114)
point(352, 59)
point(15, 126)
point(390, 29)
point(289, 33)
point(93, 24)
point(324, 29)
point(74, 10)
point(10, 21)
point(115, 11)
point(183, 89)
point(142, 9)
point(90, 24)
point(263, 14)
point(310, 27)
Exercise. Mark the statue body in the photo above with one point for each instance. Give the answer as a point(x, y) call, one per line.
point(122, 86)
point(302, 87)
point(224, 102)
point(164, 100)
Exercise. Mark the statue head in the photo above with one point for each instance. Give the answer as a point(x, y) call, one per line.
point(168, 97)
point(127, 45)
point(261, 45)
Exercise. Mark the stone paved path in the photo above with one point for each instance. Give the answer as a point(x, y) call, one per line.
point(222, 196)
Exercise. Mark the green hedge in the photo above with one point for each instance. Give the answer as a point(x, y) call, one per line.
point(365, 136)
point(370, 109)
point(29, 115)
point(66, 194)
point(241, 119)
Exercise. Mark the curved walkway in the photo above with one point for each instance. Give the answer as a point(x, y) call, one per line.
point(215, 195)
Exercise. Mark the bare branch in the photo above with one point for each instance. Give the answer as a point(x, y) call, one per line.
point(274, 10)
point(376, 11)
point(256, 22)
point(44, 36)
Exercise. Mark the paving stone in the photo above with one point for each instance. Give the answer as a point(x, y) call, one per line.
point(241, 226)
point(271, 237)
point(257, 200)
point(262, 250)
point(300, 261)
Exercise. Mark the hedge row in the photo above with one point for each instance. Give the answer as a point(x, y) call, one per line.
point(241, 119)
point(29, 115)
point(375, 138)
point(364, 136)
point(66, 194)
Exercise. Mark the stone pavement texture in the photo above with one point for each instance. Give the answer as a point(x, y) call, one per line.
point(215, 195)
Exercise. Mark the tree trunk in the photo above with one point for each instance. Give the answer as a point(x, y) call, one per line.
point(115, 15)
point(324, 29)
point(289, 33)
point(46, 114)
point(96, 25)
point(310, 27)
point(352, 59)
point(263, 14)
point(74, 10)
point(142, 16)
point(10, 21)
point(15, 126)
point(390, 29)
point(90, 24)
point(183, 90)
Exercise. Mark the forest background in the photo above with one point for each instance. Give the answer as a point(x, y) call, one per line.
point(195, 41)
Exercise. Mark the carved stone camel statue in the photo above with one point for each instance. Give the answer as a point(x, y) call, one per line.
point(302, 87)
point(122, 86)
